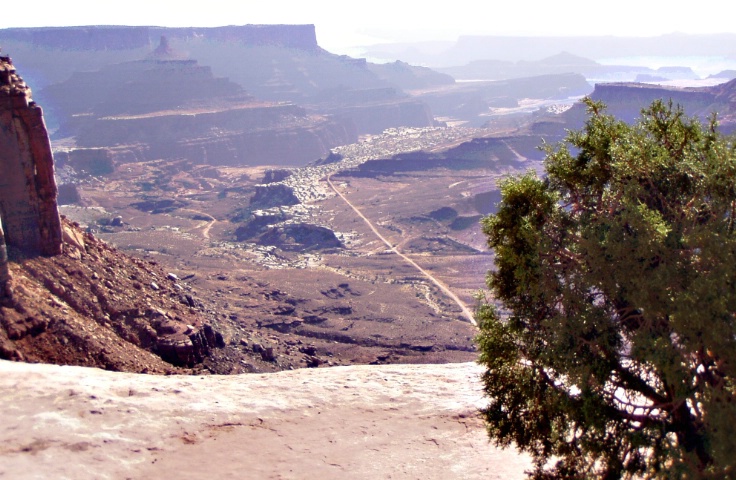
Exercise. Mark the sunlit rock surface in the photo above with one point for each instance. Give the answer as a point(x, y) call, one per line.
point(364, 422)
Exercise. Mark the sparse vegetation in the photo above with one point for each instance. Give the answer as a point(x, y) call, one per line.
point(615, 355)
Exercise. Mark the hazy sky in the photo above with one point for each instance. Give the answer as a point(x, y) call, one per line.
point(344, 23)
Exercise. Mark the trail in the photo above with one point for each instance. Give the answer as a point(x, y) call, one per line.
point(206, 229)
point(466, 311)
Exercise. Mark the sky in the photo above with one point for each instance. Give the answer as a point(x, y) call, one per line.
point(341, 24)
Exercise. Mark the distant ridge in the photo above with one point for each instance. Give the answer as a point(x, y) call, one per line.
point(103, 37)
point(533, 48)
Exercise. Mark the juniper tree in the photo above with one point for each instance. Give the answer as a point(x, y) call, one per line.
point(611, 350)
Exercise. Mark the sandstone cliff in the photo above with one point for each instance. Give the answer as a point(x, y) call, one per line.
point(4, 268)
point(28, 210)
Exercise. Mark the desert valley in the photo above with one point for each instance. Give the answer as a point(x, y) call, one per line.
point(240, 201)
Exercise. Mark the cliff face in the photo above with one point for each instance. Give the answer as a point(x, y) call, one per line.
point(134, 88)
point(28, 209)
point(625, 101)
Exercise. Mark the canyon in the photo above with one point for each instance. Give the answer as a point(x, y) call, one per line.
point(275, 215)
point(290, 265)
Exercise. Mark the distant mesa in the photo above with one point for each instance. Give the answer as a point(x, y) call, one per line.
point(531, 48)
point(649, 78)
point(163, 107)
point(625, 101)
point(562, 63)
point(410, 77)
point(132, 37)
point(729, 74)
point(472, 102)
point(139, 93)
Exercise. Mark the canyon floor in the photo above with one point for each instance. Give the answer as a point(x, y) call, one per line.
point(362, 422)
point(399, 288)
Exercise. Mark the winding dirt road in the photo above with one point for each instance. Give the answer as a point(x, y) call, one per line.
point(208, 223)
point(466, 311)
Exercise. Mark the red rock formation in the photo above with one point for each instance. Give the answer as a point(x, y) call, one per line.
point(28, 208)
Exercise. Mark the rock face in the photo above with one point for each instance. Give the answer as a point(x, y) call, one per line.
point(28, 209)
point(625, 100)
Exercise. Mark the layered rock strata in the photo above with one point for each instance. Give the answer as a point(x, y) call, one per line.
point(170, 108)
point(28, 208)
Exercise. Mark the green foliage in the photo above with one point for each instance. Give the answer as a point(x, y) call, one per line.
point(614, 352)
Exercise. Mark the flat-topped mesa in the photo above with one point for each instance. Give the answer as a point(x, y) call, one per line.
point(119, 37)
point(28, 210)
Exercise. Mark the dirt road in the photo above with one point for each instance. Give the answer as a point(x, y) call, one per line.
point(466, 311)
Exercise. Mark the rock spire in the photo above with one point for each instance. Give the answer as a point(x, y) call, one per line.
point(29, 214)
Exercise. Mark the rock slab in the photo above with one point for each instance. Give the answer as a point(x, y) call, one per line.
point(361, 422)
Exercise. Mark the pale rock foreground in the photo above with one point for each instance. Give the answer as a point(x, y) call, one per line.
point(359, 422)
